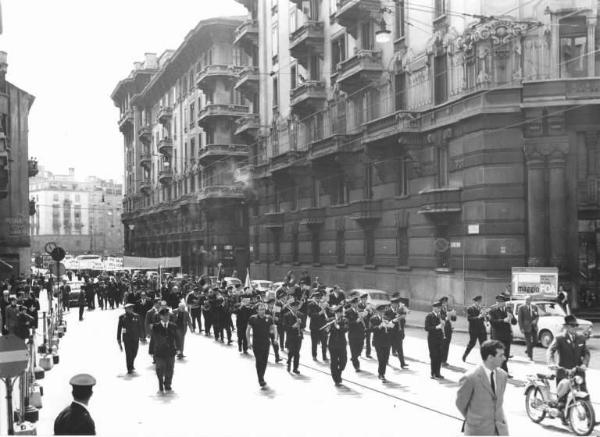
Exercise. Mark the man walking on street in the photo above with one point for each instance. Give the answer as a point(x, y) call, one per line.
point(381, 340)
point(262, 328)
point(501, 320)
point(434, 326)
point(528, 317)
point(397, 331)
point(182, 321)
point(477, 331)
point(166, 346)
point(81, 301)
point(128, 332)
point(318, 313)
point(294, 327)
point(448, 316)
point(337, 345)
point(356, 332)
point(480, 397)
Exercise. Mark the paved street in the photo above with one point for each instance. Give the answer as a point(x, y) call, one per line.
point(216, 392)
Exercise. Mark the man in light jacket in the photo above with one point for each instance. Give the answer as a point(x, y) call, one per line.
point(481, 393)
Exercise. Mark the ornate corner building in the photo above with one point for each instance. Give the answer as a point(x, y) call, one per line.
point(15, 170)
point(188, 121)
point(426, 148)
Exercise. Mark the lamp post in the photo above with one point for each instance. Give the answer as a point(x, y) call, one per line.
point(131, 227)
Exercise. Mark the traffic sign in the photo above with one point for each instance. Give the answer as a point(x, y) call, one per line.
point(61, 269)
point(49, 247)
point(13, 356)
point(58, 254)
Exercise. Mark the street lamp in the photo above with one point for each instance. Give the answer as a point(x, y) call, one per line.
point(383, 35)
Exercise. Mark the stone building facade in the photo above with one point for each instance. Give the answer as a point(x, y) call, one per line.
point(434, 162)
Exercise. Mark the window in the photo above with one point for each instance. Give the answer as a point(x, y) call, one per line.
point(368, 193)
point(440, 79)
point(316, 247)
point(338, 52)
point(402, 177)
point(340, 190)
point(369, 246)
point(277, 246)
point(366, 36)
point(340, 247)
point(275, 92)
point(402, 246)
point(399, 19)
point(442, 162)
point(256, 246)
point(573, 46)
point(77, 198)
point(440, 8)
point(293, 76)
point(55, 197)
point(192, 115)
point(210, 135)
point(295, 246)
point(314, 72)
point(442, 247)
point(316, 188)
point(293, 197)
point(400, 91)
point(275, 43)
point(311, 9)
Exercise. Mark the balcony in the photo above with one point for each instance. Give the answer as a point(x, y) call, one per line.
point(126, 121)
point(215, 111)
point(146, 160)
point(307, 97)
point(32, 168)
point(349, 12)
point(165, 176)
point(440, 201)
point(313, 216)
point(216, 151)
point(274, 220)
point(248, 125)
point(246, 35)
point(145, 134)
point(165, 114)
point(248, 81)
point(291, 158)
point(165, 147)
point(221, 192)
point(365, 210)
point(146, 186)
point(307, 40)
point(211, 74)
point(355, 72)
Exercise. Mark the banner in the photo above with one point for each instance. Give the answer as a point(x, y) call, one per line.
point(136, 262)
point(535, 282)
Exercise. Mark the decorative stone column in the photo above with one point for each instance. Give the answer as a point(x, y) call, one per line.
point(591, 46)
point(554, 47)
point(558, 209)
point(536, 209)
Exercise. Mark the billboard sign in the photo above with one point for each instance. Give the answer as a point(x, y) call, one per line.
point(541, 282)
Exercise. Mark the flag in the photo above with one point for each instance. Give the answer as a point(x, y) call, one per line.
point(247, 283)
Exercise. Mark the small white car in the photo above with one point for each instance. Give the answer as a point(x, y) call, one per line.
point(232, 281)
point(550, 322)
point(375, 297)
point(261, 286)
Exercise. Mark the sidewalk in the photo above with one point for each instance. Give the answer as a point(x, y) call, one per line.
point(416, 319)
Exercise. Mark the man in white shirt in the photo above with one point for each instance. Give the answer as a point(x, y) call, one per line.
point(480, 396)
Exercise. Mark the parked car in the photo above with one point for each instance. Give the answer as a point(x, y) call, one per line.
point(232, 281)
point(261, 286)
point(375, 297)
point(550, 323)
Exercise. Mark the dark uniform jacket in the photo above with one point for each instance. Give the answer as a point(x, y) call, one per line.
point(317, 320)
point(243, 314)
point(74, 420)
point(476, 323)
point(356, 325)
point(24, 322)
point(129, 327)
point(501, 330)
point(293, 334)
point(337, 336)
point(381, 336)
point(432, 320)
point(165, 341)
point(571, 353)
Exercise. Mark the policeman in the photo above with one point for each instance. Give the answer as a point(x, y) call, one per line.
point(434, 326)
point(76, 419)
point(129, 331)
point(477, 331)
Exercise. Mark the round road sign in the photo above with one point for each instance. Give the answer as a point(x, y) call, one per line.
point(13, 356)
point(49, 247)
point(58, 254)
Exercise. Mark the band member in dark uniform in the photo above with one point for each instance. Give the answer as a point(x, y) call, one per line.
point(76, 419)
point(274, 311)
point(434, 326)
point(280, 296)
point(356, 331)
point(477, 331)
point(141, 308)
point(292, 321)
point(128, 332)
point(381, 340)
point(501, 320)
point(337, 345)
point(448, 316)
point(166, 345)
point(243, 312)
point(262, 328)
point(367, 318)
point(319, 314)
point(399, 318)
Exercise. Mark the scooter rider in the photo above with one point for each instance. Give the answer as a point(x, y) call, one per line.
point(573, 356)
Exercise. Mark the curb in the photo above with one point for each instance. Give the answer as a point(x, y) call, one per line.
point(465, 331)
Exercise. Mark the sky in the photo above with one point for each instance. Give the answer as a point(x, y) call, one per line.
point(70, 54)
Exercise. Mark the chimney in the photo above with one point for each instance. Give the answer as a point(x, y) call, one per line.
point(138, 65)
point(151, 60)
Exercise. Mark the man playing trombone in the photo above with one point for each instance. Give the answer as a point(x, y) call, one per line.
point(356, 331)
point(319, 313)
point(399, 321)
point(381, 339)
point(477, 331)
point(501, 320)
point(294, 327)
point(337, 345)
